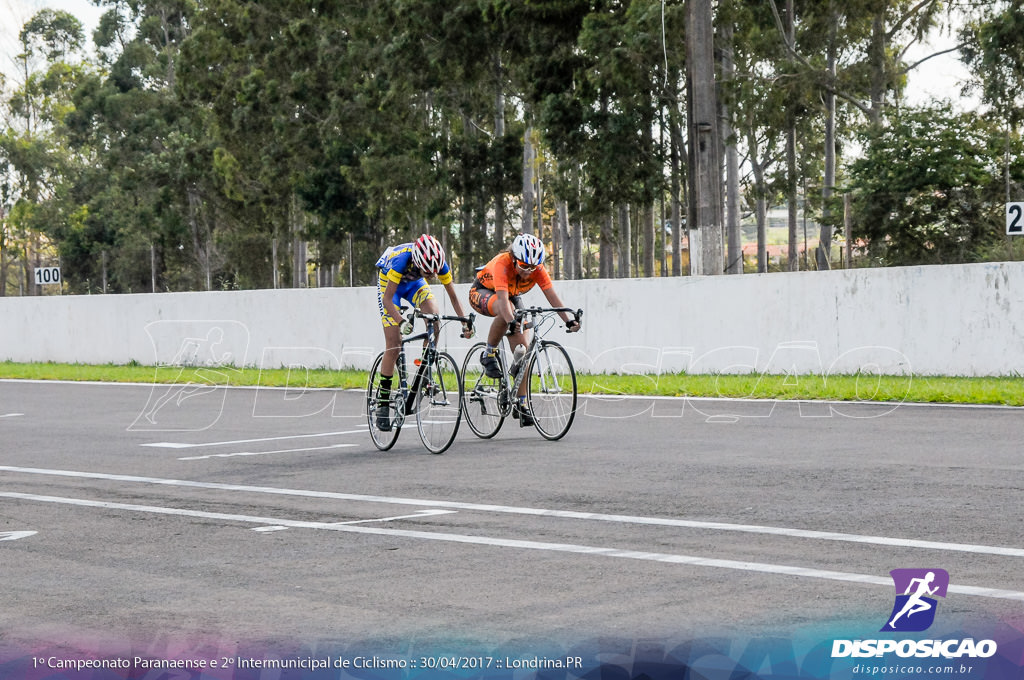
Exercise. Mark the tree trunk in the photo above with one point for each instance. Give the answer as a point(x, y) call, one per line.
point(576, 237)
point(705, 199)
point(569, 270)
point(528, 198)
point(499, 135)
point(201, 244)
point(734, 237)
point(577, 249)
point(823, 255)
point(794, 260)
point(466, 217)
point(760, 207)
point(762, 234)
point(625, 242)
point(3, 259)
point(26, 271)
point(877, 56)
point(791, 180)
point(675, 153)
point(606, 249)
point(649, 240)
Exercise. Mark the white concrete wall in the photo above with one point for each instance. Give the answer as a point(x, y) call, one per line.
point(950, 320)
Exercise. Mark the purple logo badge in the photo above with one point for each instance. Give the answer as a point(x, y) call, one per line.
point(916, 590)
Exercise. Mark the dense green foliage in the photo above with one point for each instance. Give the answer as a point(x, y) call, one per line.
point(220, 144)
point(945, 207)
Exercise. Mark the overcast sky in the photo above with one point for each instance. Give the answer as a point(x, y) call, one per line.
point(938, 78)
point(14, 14)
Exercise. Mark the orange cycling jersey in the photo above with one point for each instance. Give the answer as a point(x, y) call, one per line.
point(501, 274)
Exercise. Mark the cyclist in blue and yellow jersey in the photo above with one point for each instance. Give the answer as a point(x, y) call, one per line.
point(403, 269)
point(496, 292)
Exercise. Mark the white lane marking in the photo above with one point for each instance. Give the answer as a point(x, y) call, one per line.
point(108, 383)
point(11, 415)
point(264, 453)
point(668, 558)
point(418, 515)
point(15, 535)
point(540, 512)
point(184, 445)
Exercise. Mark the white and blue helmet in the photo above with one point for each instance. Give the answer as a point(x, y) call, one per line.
point(528, 249)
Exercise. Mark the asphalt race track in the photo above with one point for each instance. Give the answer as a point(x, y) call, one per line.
point(151, 514)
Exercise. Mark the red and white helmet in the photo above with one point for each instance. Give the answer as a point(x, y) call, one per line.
point(528, 249)
point(427, 254)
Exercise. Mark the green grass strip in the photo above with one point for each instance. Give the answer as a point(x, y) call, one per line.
point(1007, 391)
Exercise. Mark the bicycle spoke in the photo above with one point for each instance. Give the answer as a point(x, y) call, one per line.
point(551, 392)
point(383, 439)
point(481, 396)
point(439, 404)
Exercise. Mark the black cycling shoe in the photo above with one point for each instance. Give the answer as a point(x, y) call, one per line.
point(523, 415)
point(525, 418)
point(384, 418)
point(490, 364)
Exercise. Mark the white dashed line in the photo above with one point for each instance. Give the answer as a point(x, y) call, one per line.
point(264, 453)
point(186, 445)
point(541, 512)
point(274, 523)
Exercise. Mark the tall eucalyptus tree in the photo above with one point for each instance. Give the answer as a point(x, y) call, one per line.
point(34, 154)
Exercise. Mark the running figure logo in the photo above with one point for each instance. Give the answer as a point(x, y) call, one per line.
point(916, 589)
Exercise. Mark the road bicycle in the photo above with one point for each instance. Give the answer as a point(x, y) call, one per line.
point(433, 394)
point(545, 366)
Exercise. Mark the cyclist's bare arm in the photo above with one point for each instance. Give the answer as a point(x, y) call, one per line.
point(389, 302)
point(467, 329)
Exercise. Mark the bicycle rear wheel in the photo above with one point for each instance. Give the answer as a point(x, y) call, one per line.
point(383, 439)
point(482, 396)
point(439, 404)
point(551, 393)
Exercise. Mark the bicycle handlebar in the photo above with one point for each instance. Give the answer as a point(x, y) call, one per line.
point(520, 314)
point(435, 318)
point(534, 311)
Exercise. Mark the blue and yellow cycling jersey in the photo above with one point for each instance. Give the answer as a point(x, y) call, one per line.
point(396, 265)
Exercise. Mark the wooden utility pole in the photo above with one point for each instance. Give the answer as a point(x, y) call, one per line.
point(705, 204)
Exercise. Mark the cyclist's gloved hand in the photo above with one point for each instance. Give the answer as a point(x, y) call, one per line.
point(406, 327)
point(513, 327)
point(572, 325)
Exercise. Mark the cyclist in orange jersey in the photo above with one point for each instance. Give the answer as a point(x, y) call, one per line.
point(497, 292)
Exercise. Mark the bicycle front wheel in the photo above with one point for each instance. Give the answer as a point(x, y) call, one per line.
point(439, 403)
point(551, 392)
point(382, 411)
point(482, 396)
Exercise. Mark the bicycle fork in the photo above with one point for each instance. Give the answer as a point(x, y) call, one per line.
point(417, 380)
